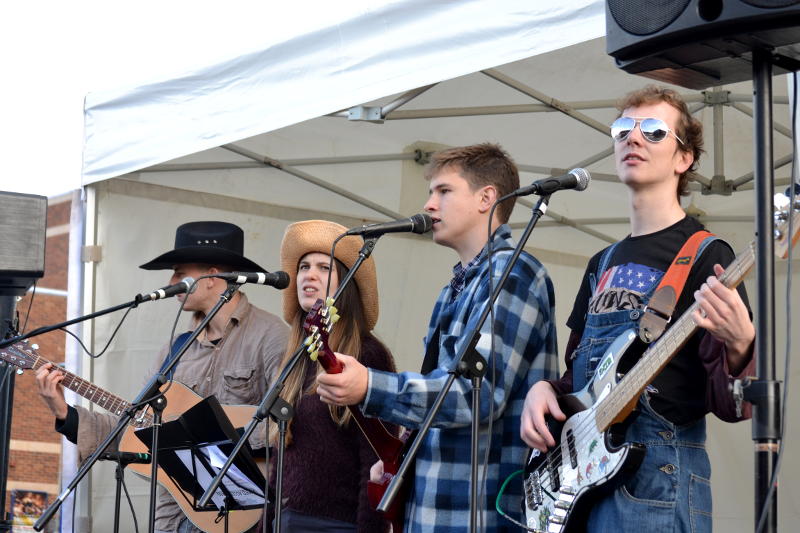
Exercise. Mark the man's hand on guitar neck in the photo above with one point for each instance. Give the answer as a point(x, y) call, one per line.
point(48, 381)
point(540, 401)
point(349, 387)
point(722, 312)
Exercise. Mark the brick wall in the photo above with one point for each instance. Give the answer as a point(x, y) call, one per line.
point(35, 461)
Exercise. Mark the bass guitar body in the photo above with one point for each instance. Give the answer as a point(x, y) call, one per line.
point(586, 462)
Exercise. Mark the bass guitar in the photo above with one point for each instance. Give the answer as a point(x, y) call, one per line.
point(389, 448)
point(560, 484)
point(179, 399)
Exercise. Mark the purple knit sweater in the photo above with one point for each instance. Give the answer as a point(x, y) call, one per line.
point(326, 468)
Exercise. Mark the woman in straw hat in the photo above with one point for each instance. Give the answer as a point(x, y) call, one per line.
point(327, 458)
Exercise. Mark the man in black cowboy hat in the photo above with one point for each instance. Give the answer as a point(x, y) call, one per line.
point(233, 358)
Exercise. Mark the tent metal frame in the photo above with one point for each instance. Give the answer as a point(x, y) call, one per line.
point(716, 98)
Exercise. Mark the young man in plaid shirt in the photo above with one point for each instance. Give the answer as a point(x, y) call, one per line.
point(464, 184)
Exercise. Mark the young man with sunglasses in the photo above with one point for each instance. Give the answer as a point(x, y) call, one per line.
point(657, 144)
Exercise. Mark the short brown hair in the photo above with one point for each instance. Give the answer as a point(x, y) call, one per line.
point(481, 165)
point(689, 129)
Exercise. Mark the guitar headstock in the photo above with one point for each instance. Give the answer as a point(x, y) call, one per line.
point(783, 213)
point(21, 355)
point(317, 326)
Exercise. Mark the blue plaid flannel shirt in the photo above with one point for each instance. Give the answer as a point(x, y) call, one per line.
point(525, 352)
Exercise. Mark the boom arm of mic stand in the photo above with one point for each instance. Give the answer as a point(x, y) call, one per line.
point(464, 356)
point(272, 404)
point(150, 393)
point(46, 329)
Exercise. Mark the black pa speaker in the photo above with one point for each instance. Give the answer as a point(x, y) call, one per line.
point(23, 222)
point(700, 43)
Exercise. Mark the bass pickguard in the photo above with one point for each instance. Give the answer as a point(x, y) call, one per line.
point(558, 485)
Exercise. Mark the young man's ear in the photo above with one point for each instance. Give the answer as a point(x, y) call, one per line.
point(685, 161)
point(488, 195)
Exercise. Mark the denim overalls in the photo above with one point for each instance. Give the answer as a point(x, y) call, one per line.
point(671, 490)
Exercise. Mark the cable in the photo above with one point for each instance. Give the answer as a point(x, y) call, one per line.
point(500, 494)
point(492, 380)
point(30, 304)
point(128, 497)
point(85, 349)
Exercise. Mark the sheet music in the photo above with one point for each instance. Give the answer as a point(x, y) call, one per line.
point(244, 491)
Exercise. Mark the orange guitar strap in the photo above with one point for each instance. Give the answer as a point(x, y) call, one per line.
point(659, 309)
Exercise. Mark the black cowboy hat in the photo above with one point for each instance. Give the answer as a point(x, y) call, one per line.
point(206, 242)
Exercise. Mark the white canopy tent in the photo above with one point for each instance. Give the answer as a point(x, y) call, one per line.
point(259, 138)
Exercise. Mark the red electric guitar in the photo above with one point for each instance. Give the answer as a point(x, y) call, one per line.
point(389, 448)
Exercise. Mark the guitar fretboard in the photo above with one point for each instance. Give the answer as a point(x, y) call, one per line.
point(655, 358)
point(94, 394)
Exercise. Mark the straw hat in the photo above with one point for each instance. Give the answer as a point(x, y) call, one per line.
point(309, 236)
point(208, 242)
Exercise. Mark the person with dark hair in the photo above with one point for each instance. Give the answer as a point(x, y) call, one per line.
point(327, 459)
point(234, 357)
point(657, 144)
point(464, 184)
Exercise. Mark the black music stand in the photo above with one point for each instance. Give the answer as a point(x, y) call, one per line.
point(193, 448)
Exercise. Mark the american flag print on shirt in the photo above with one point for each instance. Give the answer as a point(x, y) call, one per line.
point(624, 287)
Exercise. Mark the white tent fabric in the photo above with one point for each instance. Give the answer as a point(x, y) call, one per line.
point(390, 47)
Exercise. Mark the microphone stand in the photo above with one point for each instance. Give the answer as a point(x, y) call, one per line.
point(471, 364)
point(119, 476)
point(152, 395)
point(278, 409)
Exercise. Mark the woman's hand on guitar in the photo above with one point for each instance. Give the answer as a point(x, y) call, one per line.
point(48, 381)
point(540, 401)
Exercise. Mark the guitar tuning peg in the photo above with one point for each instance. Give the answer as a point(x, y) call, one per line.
point(20, 371)
point(329, 301)
point(308, 340)
point(314, 355)
point(35, 346)
point(333, 310)
point(334, 319)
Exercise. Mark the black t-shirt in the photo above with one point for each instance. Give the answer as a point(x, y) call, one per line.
point(680, 389)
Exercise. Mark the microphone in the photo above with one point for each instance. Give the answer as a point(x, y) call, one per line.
point(185, 285)
point(278, 279)
point(577, 178)
point(126, 458)
point(419, 223)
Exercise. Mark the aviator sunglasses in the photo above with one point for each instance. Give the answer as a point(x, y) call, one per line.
point(654, 130)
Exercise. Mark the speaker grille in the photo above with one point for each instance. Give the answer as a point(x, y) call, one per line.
point(23, 223)
point(643, 17)
point(771, 3)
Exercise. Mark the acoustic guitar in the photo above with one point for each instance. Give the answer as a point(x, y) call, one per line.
point(179, 399)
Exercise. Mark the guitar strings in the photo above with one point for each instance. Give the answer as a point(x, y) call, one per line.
point(648, 360)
